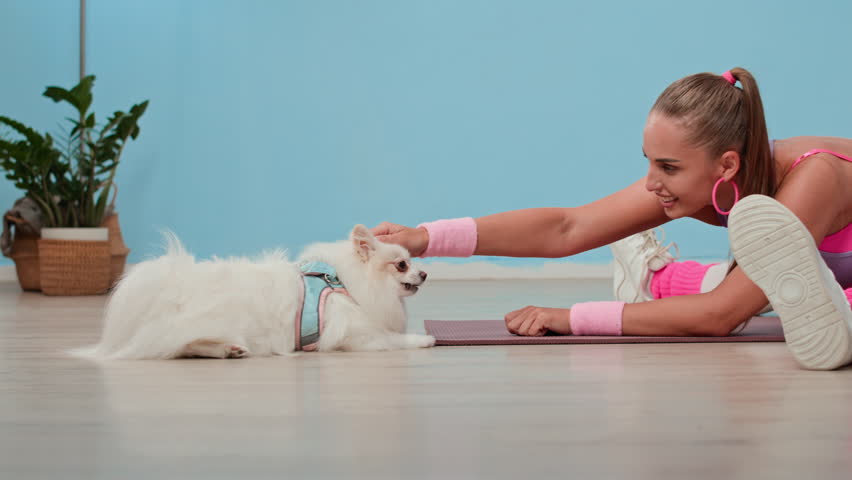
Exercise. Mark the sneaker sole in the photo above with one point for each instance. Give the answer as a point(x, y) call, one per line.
point(778, 253)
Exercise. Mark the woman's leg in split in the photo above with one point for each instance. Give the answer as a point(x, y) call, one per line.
point(777, 252)
point(645, 269)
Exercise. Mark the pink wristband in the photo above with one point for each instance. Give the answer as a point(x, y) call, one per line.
point(451, 238)
point(596, 318)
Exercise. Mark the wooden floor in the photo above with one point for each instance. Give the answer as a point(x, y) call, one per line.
point(691, 411)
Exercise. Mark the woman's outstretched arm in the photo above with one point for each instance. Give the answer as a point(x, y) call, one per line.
point(550, 232)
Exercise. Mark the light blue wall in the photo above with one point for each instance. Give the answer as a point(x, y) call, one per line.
point(278, 123)
point(38, 47)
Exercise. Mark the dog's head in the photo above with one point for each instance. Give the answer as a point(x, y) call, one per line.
point(388, 266)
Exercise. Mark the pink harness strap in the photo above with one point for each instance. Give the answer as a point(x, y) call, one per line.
point(311, 347)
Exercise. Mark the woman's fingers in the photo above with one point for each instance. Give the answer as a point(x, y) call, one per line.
point(531, 321)
point(514, 319)
point(385, 228)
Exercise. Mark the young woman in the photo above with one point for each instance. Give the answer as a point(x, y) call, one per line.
point(707, 146)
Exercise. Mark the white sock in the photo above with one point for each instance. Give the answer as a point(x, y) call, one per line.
point(714, 276)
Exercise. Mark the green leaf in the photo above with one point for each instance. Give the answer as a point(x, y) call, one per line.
point(80, 96)
point(137, 111)
point(58, 94)
point(31, 135)
point(111, 123)
point(83, 91)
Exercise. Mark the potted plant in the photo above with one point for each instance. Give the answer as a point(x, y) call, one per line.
point(72, 183)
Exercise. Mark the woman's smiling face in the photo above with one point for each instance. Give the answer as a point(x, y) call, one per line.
point(680, 175)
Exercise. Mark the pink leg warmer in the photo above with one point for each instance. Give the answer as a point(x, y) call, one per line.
point(680, 278)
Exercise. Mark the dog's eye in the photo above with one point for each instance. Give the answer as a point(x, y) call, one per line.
point(402, 266)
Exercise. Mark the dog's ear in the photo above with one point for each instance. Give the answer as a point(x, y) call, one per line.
point(363, 241)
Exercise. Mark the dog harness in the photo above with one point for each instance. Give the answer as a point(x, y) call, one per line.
point(318, 280)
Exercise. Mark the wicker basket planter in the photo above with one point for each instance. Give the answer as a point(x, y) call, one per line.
point(59, 262)
point(74, 267)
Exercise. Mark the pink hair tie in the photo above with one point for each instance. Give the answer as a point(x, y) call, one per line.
point(729, 77)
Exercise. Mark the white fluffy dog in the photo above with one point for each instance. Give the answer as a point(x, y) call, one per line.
point(174, 306)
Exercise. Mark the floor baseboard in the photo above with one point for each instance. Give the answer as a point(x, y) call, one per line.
point(475, 271)
point(478, 271)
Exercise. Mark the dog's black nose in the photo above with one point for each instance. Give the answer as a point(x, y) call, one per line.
point(423, 276)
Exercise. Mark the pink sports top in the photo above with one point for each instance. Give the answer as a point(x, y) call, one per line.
point(836, 249)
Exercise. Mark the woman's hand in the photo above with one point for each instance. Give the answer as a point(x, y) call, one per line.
point(537, 321)
point(415, 240)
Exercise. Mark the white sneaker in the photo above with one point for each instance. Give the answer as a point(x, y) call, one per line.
point(776, 251)
point(637, 257)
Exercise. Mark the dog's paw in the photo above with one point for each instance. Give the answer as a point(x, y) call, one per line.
point(423, 341)
point(236, 351)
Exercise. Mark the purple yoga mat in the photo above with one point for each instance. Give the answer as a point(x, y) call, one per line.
point(493, 332)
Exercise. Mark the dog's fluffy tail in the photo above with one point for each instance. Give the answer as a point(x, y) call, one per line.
point(91, 352)
point(132, 304)
point(174, 247)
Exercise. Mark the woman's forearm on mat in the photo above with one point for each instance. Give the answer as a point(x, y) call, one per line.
point(533, 232)
point(681, 316)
